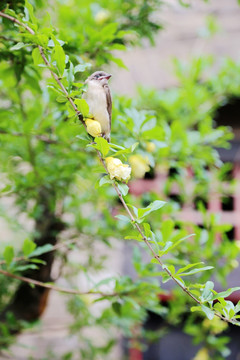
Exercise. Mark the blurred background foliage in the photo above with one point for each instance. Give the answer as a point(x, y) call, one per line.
point(49, 178)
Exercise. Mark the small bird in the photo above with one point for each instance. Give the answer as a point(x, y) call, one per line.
point(99, 99)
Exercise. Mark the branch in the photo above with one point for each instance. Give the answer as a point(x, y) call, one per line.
point(55, 76)
point(54, 287)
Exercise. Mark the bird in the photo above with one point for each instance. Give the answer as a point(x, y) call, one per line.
point(99, 99)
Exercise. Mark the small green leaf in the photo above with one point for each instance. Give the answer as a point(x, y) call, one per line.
point(123, 218)
point(226, 293)
point(208, 312)
point(18, 46)
point(123, 188)
point(102, 145)
point(147, 230)
point(28, 247)
point(195, 271)
point(41, 250)
point(189, 266)
point(61, 99)
point(30, 10)
point(59, 56)
point(170, 245)
point(155, 205)
point(37, 58)
point(26, 267)
point(105, 180)
point(8, 254)
point(116, 306)
point(81, 67)
point(82, 106)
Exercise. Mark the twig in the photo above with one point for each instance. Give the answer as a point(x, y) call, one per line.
point(56, 288)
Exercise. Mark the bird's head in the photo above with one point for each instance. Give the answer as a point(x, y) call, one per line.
point(99, 76)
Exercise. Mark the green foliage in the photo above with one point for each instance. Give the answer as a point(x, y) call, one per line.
point(49, 166)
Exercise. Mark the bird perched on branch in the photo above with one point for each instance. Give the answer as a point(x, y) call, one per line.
point(99, 99)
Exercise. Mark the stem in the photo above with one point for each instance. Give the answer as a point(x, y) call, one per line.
point(55, 76)
point(54, 287)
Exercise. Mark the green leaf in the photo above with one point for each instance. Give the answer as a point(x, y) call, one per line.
point(59, 56)
point(102, 145)
point(70, 76)
point(81, 67)
point(30, 11)
point(123, 218)
point(105, 180)
point(26, 267)
point(208, 312)
point(83, 107)
point(170, 245)
point(18, 46)
point(226, 293)
point(195, 271)
point(37, 58)
point(147, 230)
point(189, 266)
point(41, 250)
point(123, 188)
point(207, 291)
point(61, 99)
point(116, 306)
point(125, 150)
point(155, 205)
point(28, 247)
point(8, 254)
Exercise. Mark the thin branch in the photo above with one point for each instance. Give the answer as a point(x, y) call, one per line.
point(114, 185)
point(54, 287)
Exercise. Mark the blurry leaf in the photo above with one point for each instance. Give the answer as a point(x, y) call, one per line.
point(25, 267)
point(105, 180)
point(8, 254)
point(37, 58)
point(195, 271)
point(147, 230)
point(18, 46)
point(226, 293)
point(82, 106)
point(189, 266)
point(123, 218)
point(123, 188)
point(117, 307)
point(207, 291)
point(208, 312)
point(30, 10)
point(155, 205)
point(41, 250)
point(102, 145)
point(28, 247)
point(58, 55)
point(81, 67)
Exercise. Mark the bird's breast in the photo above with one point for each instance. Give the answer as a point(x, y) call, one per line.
point(97, 101)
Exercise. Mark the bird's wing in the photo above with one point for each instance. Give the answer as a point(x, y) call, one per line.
point(109, 102)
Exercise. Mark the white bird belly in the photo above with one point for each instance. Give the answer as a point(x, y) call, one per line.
point(96, 99)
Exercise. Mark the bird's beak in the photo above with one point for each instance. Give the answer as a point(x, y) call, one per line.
point(107, 77)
